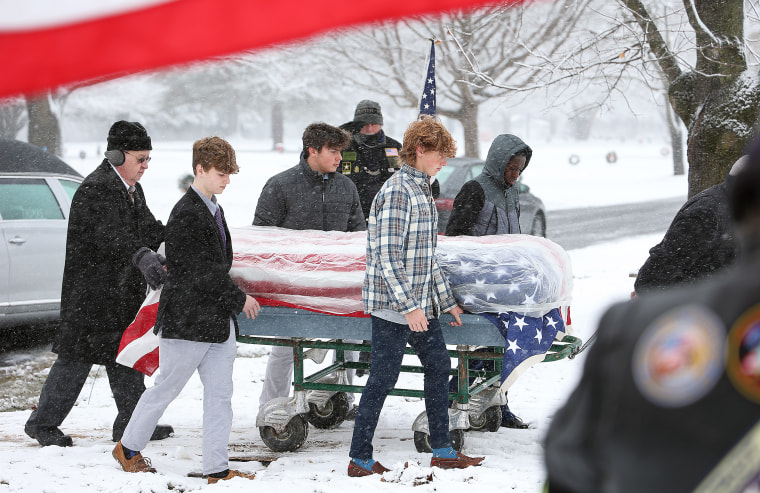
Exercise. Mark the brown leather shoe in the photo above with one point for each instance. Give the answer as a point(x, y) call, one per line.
point(138, 463)
point(460, 462)
point(357, 471)
point(232, 474)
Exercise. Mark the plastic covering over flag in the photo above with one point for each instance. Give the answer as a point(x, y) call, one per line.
point(323, 271)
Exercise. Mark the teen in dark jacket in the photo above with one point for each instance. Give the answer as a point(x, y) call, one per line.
point(311, 195)
point(196, 320)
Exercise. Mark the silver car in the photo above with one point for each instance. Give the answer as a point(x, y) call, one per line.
point(36, 189)
point(460, 170)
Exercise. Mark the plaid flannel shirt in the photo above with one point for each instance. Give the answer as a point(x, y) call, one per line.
point(402, 270)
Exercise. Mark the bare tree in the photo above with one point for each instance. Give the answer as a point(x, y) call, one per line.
point(12, 117)
point(390, 59)
point(697, 51)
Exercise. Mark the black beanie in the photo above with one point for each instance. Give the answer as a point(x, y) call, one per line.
point(128, 136)
point(368, 112)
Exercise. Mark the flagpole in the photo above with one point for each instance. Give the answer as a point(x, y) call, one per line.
point(427, 100)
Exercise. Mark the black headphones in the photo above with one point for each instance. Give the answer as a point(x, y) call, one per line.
point(115, 156)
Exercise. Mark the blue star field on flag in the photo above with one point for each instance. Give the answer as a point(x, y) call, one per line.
point(525, 336)
point(427, 101)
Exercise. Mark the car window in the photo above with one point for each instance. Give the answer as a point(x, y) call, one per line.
point(474, 171)
point(444, 174)
point(70, 186)
point(27, 198)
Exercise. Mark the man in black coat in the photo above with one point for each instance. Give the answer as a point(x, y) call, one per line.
point(698, 243)
point(110, 253)
point(196, 320)
point(372, 157)
point(670, 394)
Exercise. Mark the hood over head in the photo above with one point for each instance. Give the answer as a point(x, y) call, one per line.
point(502, 149)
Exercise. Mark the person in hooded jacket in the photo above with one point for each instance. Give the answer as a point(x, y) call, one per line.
point(489, 204)
point(310, 195)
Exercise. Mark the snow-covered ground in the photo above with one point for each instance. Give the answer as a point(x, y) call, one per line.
point(514, 458)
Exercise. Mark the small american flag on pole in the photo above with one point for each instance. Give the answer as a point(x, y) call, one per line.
point(427, 101)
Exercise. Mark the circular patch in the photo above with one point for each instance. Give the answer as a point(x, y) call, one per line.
point(743, 354)
point(680, 356)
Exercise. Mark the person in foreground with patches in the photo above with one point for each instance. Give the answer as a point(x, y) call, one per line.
point(196, 321)
point(669, 398)
point(405, 291)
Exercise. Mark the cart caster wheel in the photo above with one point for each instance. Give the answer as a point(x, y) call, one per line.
point(422, 441)
point(292, 437)
point(489, 420)
point(330, 416)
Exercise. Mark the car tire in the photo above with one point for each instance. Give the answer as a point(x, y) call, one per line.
point(538, 228)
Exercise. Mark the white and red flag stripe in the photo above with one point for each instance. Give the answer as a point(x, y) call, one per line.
point(49, 43)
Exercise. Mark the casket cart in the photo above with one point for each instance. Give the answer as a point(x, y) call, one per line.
point(312, 269)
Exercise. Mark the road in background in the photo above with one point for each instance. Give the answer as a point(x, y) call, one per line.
point(579, 228)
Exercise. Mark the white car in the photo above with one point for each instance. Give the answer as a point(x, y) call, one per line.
point(36, 189)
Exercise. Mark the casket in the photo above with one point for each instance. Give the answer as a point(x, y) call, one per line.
point(323, 271)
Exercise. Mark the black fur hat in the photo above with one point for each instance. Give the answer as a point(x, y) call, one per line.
point(128, 136)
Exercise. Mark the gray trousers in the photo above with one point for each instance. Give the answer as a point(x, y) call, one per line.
point(279, 373)
point(178, 360)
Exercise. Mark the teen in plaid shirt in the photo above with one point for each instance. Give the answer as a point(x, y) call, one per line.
point(405, 292)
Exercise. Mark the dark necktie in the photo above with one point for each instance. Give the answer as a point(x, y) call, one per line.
point(218, 217)
point(131, 192)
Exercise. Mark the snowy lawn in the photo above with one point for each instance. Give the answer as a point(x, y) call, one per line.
point(513, 457)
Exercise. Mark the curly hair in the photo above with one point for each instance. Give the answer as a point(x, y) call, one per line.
point(318, 135)
point(214, 152)
point(429, 134)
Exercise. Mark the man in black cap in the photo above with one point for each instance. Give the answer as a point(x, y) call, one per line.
point(372, 157)
point(110, 255)
point(669, 398)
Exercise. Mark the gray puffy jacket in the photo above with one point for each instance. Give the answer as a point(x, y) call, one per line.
point(299, 198)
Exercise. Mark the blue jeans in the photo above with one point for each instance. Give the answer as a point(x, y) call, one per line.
point(388, 343)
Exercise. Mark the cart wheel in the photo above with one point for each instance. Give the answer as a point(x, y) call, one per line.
point(489, 420)
point(332, 414)
point(422, 440)
point(292, 437)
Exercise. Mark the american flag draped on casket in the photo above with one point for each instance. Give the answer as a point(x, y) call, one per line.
point(513, 275)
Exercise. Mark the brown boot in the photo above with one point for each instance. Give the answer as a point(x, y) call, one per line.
point(232, 474)
point(138, 463)
point(357, 471)
point(459, 462)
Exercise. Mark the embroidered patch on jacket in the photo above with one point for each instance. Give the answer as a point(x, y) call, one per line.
point(345, 167)
point(391, 151)
point(679, 359)
point(743, 354)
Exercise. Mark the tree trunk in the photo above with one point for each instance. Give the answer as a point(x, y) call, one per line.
point(676, 140)
point(44, 131)
point(278, 126)
point(469, 121)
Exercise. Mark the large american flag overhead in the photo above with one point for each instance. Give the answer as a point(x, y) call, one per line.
point(49, 43)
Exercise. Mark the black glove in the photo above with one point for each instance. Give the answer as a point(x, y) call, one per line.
point(151, 264)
